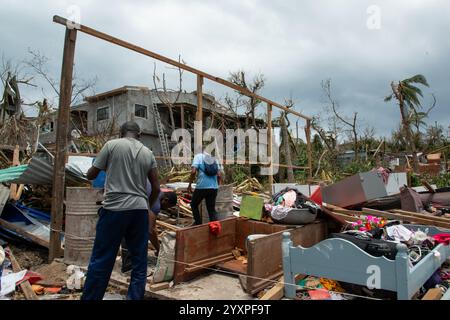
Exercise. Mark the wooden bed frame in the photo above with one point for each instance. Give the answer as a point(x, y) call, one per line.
point(341, 260)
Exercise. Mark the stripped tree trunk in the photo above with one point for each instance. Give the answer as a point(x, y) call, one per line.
point(287, 150)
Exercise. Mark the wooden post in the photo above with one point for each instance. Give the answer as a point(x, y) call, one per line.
point(182, 116)
point(62, 132)
point(15, 162)
point(269, 145)
point(308, 142)
point(198, 131)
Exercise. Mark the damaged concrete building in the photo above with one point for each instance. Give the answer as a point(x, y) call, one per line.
point(109, 110)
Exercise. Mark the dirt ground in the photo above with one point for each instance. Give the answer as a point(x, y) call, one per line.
point(54, 274)
point(35, 258)
point(29, 256)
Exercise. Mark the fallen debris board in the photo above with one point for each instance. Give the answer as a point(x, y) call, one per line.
point(433, 294)
point(251, 207)
point(397, 216)
point(25, 285)
point(275, 293)
point(159, 286)
point(354, 190)
point(421, 215)
point(13, 227)
point(168, 226)
point(428, 186)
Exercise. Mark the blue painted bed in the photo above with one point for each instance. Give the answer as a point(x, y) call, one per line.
point(341, 260)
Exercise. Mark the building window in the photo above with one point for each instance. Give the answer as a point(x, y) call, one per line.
point(103, 113)
point(140, 111)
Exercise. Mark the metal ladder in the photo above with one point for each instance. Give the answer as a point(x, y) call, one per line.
point(162, 137)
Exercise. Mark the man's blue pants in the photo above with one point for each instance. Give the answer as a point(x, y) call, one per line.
point(112, 226)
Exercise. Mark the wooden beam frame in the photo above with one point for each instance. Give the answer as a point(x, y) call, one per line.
point(309, 148)
point(269, 144)
point(130, 46)
point(65, 97)
point(64, 112)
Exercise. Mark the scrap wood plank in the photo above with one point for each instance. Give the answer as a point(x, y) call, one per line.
point(159, 286)
point(332, 215)
point(421, 215)
point(32, 237)
point(19, 193)
point(398, 216)
point(167, 225)
point(276, 292)
point(428, 186)
point(342, 210)
point(25, 286)
point(202, 264)
point(433, 294)
point(347, 217)
point(15, 162)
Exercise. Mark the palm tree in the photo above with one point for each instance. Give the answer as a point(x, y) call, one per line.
point(407, 95)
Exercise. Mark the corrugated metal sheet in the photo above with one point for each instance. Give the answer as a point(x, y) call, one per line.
point(12, 173)
point(39, 172)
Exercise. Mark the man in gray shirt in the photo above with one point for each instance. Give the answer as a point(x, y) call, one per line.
point(128, 165)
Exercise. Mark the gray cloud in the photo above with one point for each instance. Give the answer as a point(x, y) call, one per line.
point(296, 44)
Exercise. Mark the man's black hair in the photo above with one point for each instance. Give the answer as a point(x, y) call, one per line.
point(171, 198)
point(130, 126)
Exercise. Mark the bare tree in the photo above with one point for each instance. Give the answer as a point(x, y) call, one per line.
point(164, 94)
point(38, 63)
point(258, 82)
point(352, 124)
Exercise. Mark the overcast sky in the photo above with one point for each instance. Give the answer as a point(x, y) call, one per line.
point(361, 45)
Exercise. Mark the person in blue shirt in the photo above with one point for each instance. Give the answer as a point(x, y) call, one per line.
point(166, 199)
point(206, 187)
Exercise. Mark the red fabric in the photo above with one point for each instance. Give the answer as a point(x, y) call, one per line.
point(31, 276)
point(215, 227)
point(442, 238)
point(317, 196)
point(53, 289)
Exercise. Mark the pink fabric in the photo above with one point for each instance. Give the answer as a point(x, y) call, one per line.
point(442, 238)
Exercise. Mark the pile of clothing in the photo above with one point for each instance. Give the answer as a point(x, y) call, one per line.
point(382, 241)
point(291, 206)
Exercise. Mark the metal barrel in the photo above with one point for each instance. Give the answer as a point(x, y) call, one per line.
point(224, 204)
point(81, 220)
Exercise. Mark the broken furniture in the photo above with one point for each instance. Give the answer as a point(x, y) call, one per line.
point(197, 250)
point(354, 190)
point(341, 260)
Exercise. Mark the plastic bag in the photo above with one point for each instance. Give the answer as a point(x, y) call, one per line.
point(75, 281)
